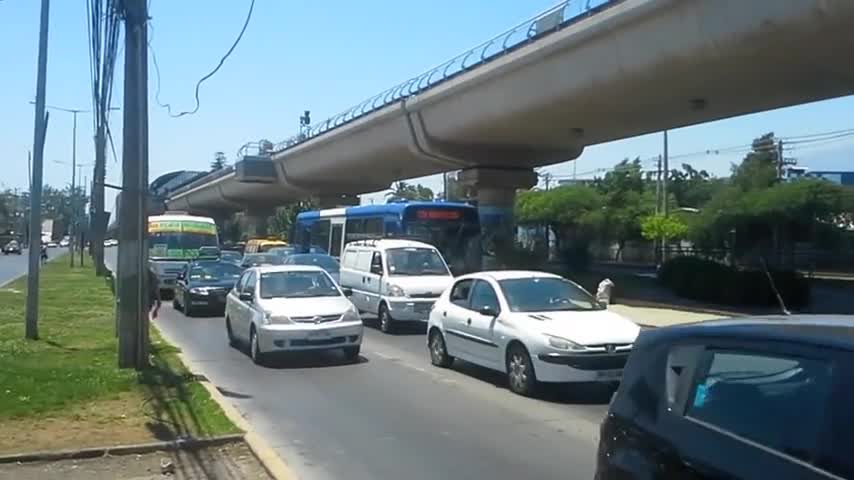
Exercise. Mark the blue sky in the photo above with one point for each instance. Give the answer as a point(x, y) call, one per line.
point(302, 55)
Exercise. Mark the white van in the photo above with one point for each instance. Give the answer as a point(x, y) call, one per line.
point(398, 280)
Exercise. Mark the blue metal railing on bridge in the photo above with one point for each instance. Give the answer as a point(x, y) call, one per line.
point(552, 20)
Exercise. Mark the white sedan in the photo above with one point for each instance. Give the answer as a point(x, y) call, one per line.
point(291, 308)
point(533, 326)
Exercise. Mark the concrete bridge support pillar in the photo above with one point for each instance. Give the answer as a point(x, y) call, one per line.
point(495, 192)
point(334, 201)
point(255, 222)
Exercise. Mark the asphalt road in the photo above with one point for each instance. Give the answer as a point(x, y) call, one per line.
point(13, 266)
point(392, 415)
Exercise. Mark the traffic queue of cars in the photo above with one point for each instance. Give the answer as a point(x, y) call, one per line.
point(772, 395)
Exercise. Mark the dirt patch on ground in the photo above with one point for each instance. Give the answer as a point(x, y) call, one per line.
point(126, 419)
point(233, 461)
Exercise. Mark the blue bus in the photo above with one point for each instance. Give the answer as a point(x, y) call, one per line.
point(453, 228)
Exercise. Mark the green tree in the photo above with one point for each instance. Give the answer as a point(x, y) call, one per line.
point(692, 188)
point(759, 168)
point(627, 199)
point(572, 212)
point(284, 217)
point(660, 227)
point(219, 161)
point(402, 190)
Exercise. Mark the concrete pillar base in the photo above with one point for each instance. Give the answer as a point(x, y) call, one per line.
point(335, 201)
point(495, 192)
point(254, 223)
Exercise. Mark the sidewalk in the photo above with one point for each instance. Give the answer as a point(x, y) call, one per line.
point(661, 317)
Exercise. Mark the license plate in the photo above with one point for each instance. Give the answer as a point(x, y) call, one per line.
point(318, 334)
point(610, 375)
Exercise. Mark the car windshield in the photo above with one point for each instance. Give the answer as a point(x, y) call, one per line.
point(415, 261)
point(214, 272)
point(546, 294)
point(297, 284)
point(323, 261)
point(262, 259)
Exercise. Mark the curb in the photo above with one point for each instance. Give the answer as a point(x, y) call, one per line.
point(94, 452)
point(270, 460)
point(272, 463)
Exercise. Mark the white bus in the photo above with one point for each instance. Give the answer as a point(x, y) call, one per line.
point(175, 238)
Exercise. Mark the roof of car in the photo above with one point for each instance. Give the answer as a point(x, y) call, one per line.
point(511, 274)
point(384, 243)
point(288, 268)
point(826, 330)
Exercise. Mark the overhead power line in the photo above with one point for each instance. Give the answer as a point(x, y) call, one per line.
point(219, 65)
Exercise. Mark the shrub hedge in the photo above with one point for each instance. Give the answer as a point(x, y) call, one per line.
point(711, 281)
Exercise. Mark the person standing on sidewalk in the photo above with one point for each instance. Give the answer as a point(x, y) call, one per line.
point(153, 293)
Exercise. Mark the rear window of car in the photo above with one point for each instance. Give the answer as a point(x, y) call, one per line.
point(773, 400)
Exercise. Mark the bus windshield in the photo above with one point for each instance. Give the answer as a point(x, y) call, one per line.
point(459, 242)
point(179, 237)
point(178, 244)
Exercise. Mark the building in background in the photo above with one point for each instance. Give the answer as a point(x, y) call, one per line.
point(836, 176)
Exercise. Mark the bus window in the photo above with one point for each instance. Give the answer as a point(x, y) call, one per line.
point(374, 227)
point(319, 234)
point(354, 230)
point(335, 247)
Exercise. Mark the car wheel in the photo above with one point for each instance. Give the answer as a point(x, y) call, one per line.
point(175, 304)
point(352, 353)
point(232, 340)
point(438, 351)
point(520, 371)
point(188, 311)
point(385, 320)
point(258, 357)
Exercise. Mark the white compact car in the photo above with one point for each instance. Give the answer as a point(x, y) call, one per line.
point(398, 280)
point(291, 308)
point(533, 326)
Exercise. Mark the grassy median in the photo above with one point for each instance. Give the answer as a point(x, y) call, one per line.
point(65, 391)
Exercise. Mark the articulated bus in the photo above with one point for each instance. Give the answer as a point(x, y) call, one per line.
point(453, 228)
point(175, 238)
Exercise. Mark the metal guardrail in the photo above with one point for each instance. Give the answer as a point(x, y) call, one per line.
point(552, 20)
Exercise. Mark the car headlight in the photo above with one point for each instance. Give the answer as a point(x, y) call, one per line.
point(277, 319)
point(200, 291)
point(563, 344)
point(395, 291)
point(351, 315)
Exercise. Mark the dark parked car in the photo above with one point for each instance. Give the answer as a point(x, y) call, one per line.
point(259, 259)
point(757, 398)
point(12, 247)
point(326, 262)
point(203, 285)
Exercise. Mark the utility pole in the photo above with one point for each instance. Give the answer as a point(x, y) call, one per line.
point(40, 131)
point(664, 200)
point(780, 160)
point(132, 255)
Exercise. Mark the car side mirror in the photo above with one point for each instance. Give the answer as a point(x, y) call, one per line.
point(180, 276)
point(245, 296)
point(348, 292)
point(488, 311)
point(376, 269)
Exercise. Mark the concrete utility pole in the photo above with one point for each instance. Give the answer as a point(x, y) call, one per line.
point(132, 256)
point(664, 200)
point(40, 131)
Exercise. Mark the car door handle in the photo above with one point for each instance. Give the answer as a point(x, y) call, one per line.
point(468, 321)
point(444, 314)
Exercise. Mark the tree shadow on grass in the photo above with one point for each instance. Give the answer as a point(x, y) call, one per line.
point(174, 413)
